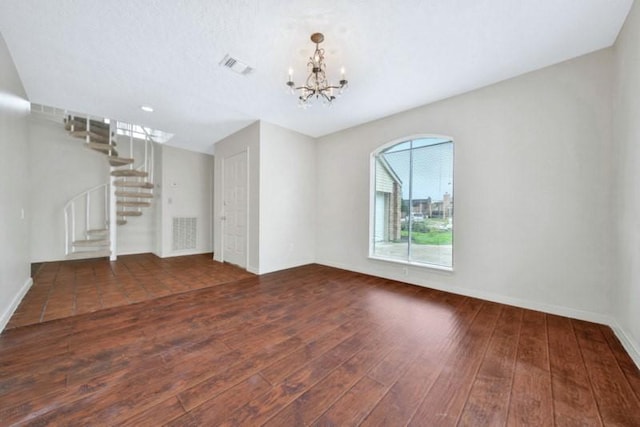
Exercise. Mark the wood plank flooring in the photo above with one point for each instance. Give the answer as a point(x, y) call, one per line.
point(315, 346)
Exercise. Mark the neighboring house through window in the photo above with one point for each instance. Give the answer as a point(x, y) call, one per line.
point(412, 202)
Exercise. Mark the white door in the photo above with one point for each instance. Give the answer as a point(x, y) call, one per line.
point(235, 209)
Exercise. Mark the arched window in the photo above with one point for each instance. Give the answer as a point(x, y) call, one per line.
point(412, 202)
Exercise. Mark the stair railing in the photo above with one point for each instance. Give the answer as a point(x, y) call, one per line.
point(111, 188)
point(84, 203)
point(147, 164)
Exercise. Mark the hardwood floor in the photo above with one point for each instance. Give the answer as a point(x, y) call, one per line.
point(314, 346)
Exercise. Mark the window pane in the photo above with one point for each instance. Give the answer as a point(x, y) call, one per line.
point(432, 204)
point(388, 216)
point(424, 142)
point(399, 147)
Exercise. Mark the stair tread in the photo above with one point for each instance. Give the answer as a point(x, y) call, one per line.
point(103, 145)
point(91, 242)
point(132, 184)
point(101, 133)
point(129, 172)
point(89, 254)
point(132, 194)
point(81, 127)
point(98, 231)
point(82, 121)
point(93, 137)
point(103, 148)
point(129, 213)
point(120, 161)
point(133, 204)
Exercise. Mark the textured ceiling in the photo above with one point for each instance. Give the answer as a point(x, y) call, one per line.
point(110, 57)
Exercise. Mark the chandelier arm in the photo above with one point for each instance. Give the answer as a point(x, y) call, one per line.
point(327, 97)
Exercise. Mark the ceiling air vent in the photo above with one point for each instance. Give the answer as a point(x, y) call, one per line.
point(235, 65)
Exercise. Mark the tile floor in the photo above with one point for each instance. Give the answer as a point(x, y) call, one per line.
point(68, 288)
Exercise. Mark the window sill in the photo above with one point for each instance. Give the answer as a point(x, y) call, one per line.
point(413, 264)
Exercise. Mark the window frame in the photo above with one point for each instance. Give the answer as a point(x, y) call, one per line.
point(372, 203)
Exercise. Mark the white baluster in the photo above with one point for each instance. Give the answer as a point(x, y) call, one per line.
point(66, 232)
point(106, 205)
point(146, 164)
point(88, 129)
point(73, 225)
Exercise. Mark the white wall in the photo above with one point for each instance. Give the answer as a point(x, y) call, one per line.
point(61, 168)
point(247, 139)
point(287, 198)
point(15, 211)
point(186, 192)
point(533, 219)
point(626, 213)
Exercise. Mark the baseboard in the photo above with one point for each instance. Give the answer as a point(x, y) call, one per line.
point(173, 254)
point(8, 312)
point(629, 344)
point(557, 310)
point(488, 296)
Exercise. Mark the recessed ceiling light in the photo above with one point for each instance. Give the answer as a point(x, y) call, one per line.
point(146, 108)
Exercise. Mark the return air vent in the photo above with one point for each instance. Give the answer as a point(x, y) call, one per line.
point(236, 66)
point(184, 233)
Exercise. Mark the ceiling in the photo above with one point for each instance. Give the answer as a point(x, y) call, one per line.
point(110, 57)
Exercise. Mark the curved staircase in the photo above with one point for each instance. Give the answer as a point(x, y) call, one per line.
point(129, 190)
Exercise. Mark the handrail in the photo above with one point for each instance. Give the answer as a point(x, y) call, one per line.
point(148, 158)
point(83, 193)
point(70, 215)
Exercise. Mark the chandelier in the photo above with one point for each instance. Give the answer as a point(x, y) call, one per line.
point(317, 87)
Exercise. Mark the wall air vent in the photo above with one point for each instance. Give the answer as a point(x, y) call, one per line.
point(235, 65)
point(184, 233)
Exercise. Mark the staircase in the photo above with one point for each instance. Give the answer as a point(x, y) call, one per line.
point(91, 217)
